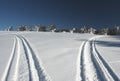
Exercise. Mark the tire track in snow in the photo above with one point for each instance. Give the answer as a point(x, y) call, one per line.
point(9, 64)
point(37, 72)
point(23, 64)
point(91, 66)
point(22, 71)
point(102, 66)
point(12, 70)
point(78, 77)
point(88, 70)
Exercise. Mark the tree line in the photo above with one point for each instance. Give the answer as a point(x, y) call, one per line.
point(52, 28)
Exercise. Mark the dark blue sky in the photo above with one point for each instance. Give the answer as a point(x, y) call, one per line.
point(62, 13)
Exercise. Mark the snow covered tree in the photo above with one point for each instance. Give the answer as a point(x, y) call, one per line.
point(10, 28)
point(40, 28)
point(24, 28)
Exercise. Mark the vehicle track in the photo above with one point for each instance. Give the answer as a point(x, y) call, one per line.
point(92, 67)
point(88, 70)
point(103, 67)
point(23, 64)
point(10, 62)
point(36, 71)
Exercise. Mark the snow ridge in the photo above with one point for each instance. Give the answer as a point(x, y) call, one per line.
point(91, 66)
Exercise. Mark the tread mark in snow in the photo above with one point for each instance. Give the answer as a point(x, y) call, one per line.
point(92, 66)
point(103, 67)
point(88, 71)
point(31, 65)
point(8, 67)
point(37, 73)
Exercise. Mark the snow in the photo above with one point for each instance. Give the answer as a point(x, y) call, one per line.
point(49, 56)
point(6, 44)
point(59, 52)
point(109, 48)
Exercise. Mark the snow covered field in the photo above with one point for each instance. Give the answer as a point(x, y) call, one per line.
point(48, 56)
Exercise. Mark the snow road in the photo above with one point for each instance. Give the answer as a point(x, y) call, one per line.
point(40, 56)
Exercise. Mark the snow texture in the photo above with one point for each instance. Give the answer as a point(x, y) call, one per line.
point(49, 56)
